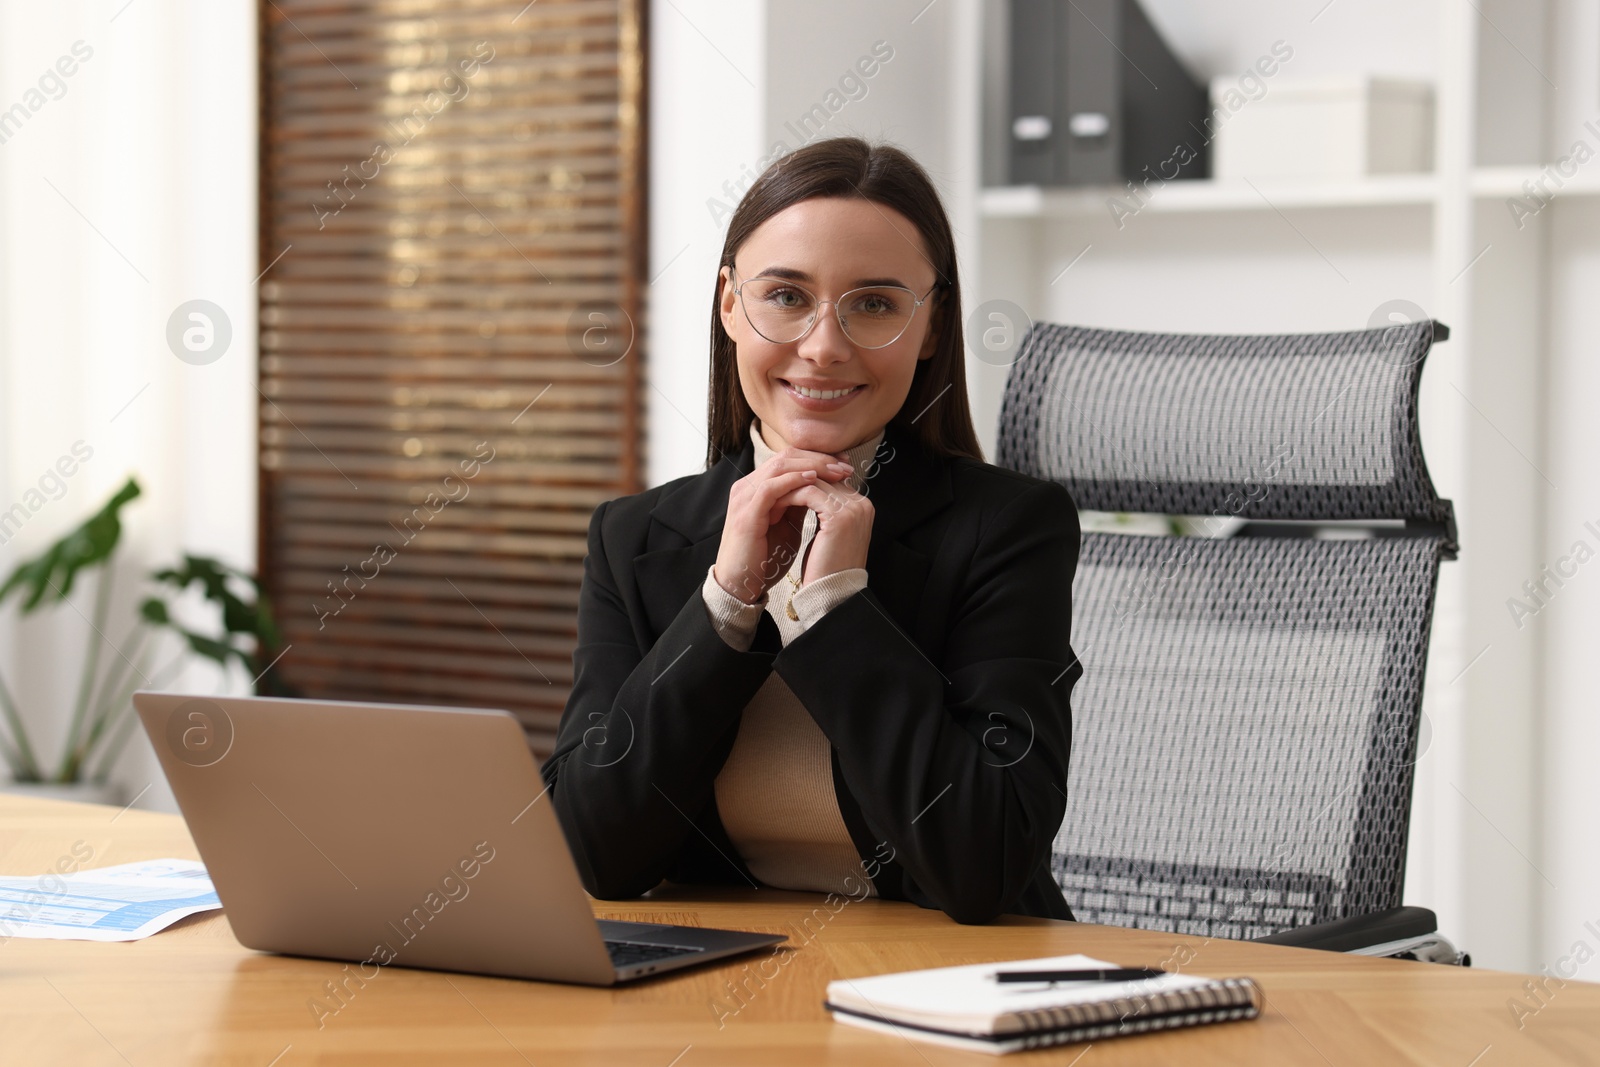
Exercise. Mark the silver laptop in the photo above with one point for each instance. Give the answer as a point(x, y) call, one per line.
point(393, 834)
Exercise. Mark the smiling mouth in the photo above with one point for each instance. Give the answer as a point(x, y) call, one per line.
point(821, 394)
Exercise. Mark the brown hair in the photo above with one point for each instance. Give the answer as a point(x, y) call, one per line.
point(850, 167)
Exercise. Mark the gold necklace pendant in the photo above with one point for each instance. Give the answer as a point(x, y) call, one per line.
point(789, 608)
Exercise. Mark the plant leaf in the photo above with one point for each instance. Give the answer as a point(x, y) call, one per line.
point(50, 574)
point(266, 624)
point(239, 616)
point(210, 648)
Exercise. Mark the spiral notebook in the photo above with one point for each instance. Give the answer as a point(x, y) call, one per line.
point(967, 1008)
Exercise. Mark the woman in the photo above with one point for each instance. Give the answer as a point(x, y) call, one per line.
point(839, 659)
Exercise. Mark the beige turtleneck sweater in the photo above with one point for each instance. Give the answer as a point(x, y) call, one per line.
point(775, 792)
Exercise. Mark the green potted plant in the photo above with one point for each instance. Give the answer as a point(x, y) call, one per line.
point(102, 718)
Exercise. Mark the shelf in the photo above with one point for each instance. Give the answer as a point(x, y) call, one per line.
point(1507, 181)
point(1206, 195)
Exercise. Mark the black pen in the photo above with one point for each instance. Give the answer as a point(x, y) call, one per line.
point(1116, 974)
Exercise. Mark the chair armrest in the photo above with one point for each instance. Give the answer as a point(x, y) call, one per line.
point(1359, 931)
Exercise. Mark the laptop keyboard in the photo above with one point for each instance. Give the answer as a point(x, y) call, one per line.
point(629, 953)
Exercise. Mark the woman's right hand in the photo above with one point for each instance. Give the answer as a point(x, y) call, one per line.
point(760, 536)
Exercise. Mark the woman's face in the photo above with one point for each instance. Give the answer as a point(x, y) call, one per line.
point(829, 246)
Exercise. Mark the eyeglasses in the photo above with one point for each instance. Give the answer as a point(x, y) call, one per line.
point(874, 316)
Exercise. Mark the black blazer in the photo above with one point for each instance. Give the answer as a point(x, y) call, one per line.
point(943, 687)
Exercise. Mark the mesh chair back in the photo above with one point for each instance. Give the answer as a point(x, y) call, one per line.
point(1246, 725)
point(1302, 426)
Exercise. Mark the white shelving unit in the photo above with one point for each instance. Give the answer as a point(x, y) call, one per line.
point(1271, 255)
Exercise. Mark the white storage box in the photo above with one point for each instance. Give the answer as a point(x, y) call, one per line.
point(1323, 129)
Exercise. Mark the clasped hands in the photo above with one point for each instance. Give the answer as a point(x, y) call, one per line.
point(766, 510)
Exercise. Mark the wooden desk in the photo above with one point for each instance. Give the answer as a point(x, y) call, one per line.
point(193, 995)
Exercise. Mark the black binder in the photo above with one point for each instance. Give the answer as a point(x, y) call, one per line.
point(1098, 97)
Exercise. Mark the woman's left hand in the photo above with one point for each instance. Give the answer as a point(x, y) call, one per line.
point(844, 528)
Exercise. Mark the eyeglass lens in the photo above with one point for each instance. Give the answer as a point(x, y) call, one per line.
point(782, 312)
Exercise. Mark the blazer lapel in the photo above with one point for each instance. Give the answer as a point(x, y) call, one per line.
point(685, 533)
point(907, 487)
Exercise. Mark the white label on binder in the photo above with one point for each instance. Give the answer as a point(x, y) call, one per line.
point(1031, 128)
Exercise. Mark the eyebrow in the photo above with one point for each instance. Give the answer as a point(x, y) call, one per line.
point(801, 276)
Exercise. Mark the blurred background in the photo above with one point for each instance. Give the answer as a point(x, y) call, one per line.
point(377, 300)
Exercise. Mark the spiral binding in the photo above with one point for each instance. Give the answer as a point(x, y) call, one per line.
point(1219, 1001)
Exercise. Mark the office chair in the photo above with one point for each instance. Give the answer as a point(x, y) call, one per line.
point(1246, 728)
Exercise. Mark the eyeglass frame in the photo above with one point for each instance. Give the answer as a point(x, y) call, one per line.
point(816, 314)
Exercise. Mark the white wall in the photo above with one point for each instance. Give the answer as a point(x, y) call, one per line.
point(130, 194)
point(813, 50)
point(923, 96)
point(1569, 739)
point(1381, 37)
point(708, 81)
point(1570, 625)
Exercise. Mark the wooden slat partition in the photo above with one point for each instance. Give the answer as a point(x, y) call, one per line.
point(451, 192)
